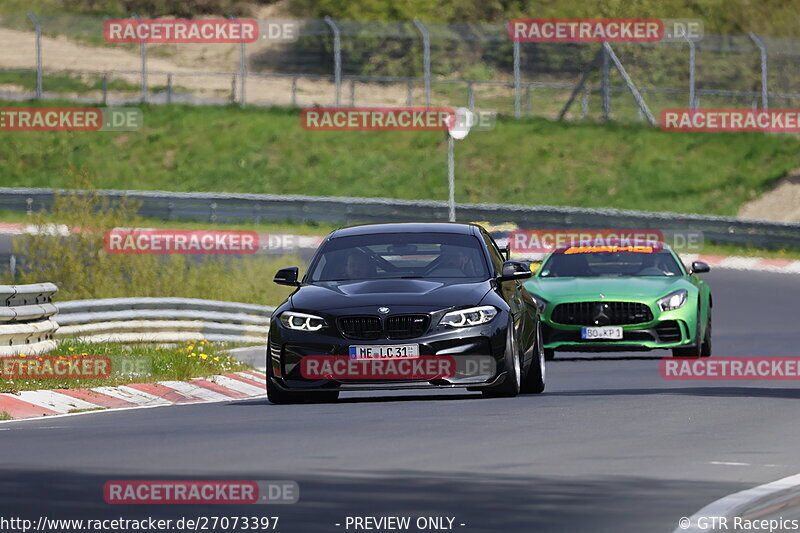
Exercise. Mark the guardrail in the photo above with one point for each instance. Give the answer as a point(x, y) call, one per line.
point(163, 320)
point(25, 319)
point(222, 207)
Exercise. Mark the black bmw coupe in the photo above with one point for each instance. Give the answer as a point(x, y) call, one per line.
point(381, 302)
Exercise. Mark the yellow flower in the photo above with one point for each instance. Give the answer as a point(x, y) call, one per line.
point(191, 355)
point(71, 349)
point(190, 348)
point(22, 355)
point(84, 353)
point(216, 359)
point(203, 356)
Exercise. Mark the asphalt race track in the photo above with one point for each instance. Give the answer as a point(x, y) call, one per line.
point(610, 446)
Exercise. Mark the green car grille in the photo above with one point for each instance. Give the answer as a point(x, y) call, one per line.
point(601, 313)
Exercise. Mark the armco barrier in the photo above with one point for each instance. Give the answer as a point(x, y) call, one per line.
point(25, 319)
point(163, 320)
point(219, 207)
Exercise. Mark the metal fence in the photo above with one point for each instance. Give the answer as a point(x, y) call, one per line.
point(162, 320)
point(25, 319)
point(337, 62)
point(225, 207)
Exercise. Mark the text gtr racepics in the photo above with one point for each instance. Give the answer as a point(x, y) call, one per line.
point(408, 305)
point(621, 298)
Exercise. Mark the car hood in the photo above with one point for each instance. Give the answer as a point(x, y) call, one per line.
point(419, 293)
point(625, 288)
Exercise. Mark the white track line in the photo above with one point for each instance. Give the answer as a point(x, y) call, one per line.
point(114, 409)
point(235, 384)
point(55, 401)
point(730, 504)
point(132, 395)
point(191, 389)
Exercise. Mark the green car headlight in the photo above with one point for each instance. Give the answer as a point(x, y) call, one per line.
point(673, 300)
point(541, 303)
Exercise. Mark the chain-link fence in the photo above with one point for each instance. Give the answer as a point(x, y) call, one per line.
point(398, 63)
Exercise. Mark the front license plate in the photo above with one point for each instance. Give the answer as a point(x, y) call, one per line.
point(385, 351)
point(606, 332)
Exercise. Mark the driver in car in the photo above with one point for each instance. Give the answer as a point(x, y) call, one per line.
point(358, 266)
point(453, 261)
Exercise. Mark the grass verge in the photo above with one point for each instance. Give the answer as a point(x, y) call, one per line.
point(529, 161)
point(136, 364)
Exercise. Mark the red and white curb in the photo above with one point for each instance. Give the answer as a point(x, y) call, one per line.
point(785, 266)
point(223, 387)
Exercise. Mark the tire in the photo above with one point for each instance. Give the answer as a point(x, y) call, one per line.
point(549, 354)
point(280, 397)
point(696, 350)
point(510, 386)
point(534, 380)
point(706, 350)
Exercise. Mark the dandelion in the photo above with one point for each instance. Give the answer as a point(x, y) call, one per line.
point(216, 359)
point(84, 353)
point(203, 356)
point(71, 349)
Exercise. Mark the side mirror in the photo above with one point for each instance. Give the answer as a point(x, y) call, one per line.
point(513, 270)
point(287, 276)
point(698, 267)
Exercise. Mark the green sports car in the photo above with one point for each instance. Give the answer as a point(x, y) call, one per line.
point(622, 298)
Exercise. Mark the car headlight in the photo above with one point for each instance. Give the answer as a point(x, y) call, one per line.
point(301, 321)
point(473, 316)
point(541, 303)
point(674, 300)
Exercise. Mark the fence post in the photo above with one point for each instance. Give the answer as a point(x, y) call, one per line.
point(242, 69)
point(410, 93)
point(637, 96)
point(169, 88)
point(517, 81)
point(143, 56)
point(337, 58)
point(528, 100)
point(38, 26)
point(426, 59)
point(585, 103)
point(233, 88)
point(763, 48)
point(604, 88)
point(352, 93)
point(105, 88)
point(692, 79)
point(294, 91)
point(471, 97)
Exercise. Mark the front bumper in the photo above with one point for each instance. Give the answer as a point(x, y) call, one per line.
point(287, 348)
point(668, 329)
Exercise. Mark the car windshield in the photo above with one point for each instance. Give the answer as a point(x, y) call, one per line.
point(398, 256)
point(615, 264)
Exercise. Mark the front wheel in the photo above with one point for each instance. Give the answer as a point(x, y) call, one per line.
point(702, 345)
point(510, 386)
point(281, 397)
point(533, 382)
